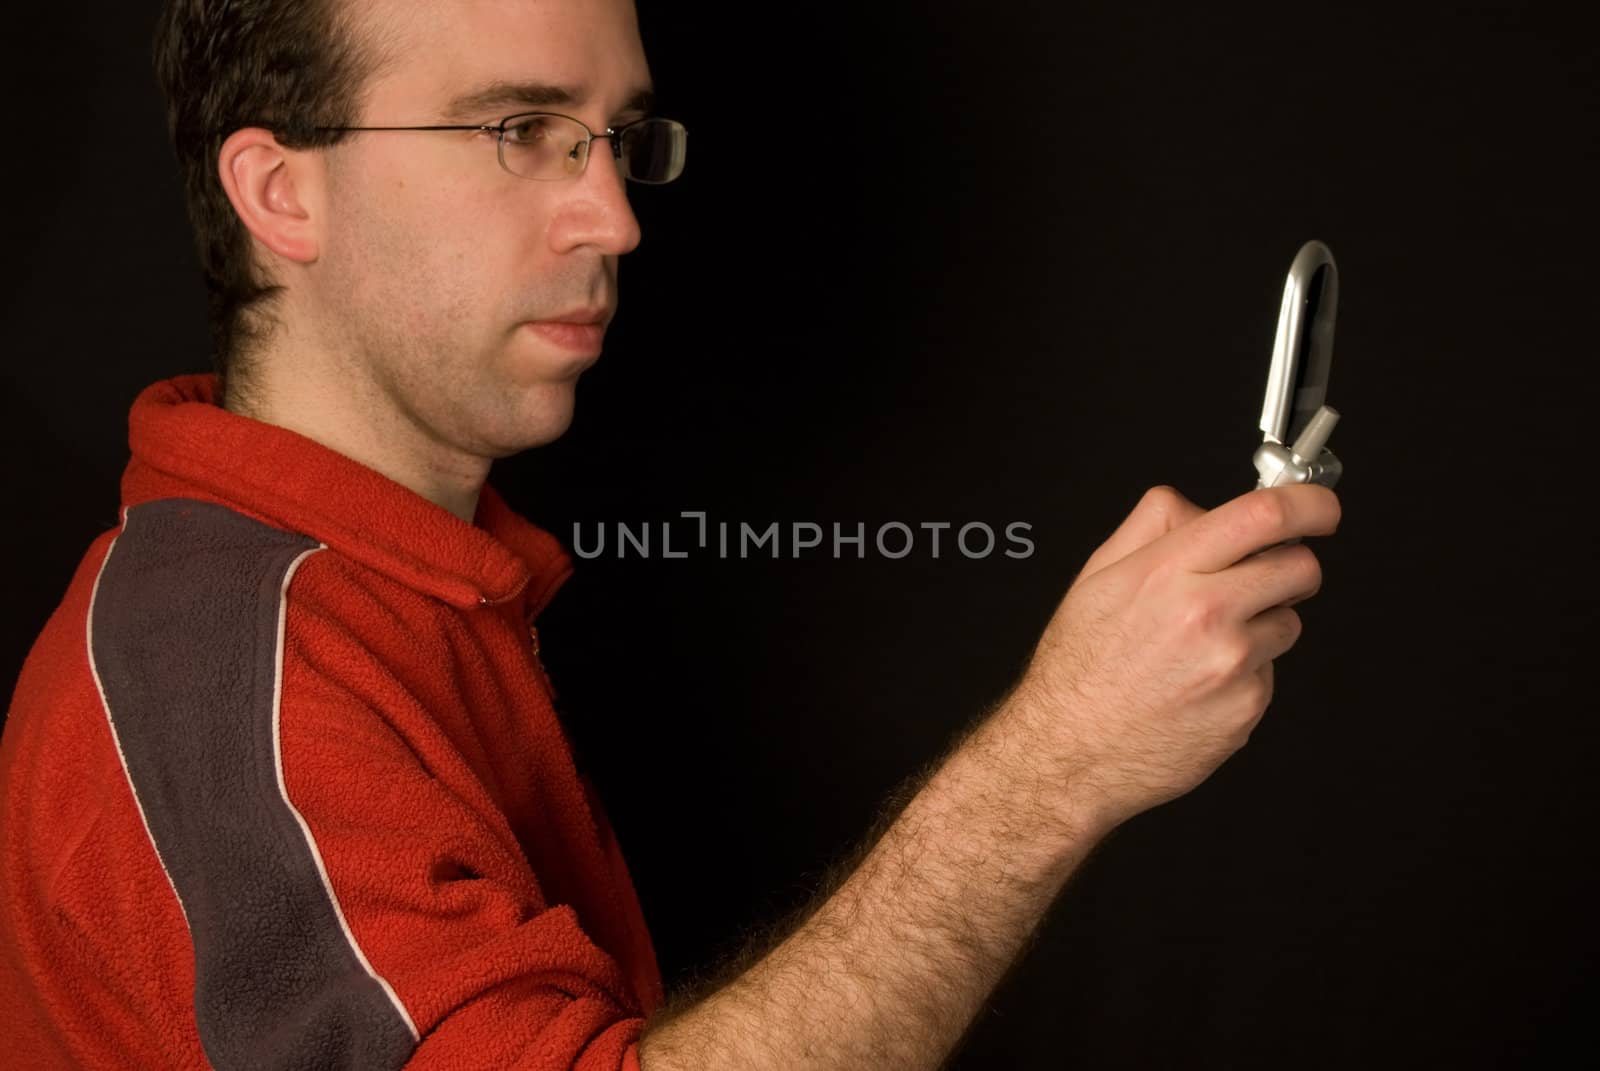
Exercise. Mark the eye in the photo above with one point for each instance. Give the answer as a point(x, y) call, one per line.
point(531, 130)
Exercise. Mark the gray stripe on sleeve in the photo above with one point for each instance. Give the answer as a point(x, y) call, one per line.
point(185, 630)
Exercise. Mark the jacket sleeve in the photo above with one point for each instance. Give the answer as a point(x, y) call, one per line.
point(447, 927)
point(440, 903)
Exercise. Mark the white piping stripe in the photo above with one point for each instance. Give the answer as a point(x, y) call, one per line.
point(283, 789)
point(94, 670)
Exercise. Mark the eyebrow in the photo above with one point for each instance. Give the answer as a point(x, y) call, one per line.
point(532, 95)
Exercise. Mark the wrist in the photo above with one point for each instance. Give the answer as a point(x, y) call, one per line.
point(1035, 742)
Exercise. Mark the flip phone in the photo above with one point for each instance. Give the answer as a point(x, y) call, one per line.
point(1295, 419)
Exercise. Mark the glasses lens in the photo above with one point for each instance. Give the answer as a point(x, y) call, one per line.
point(550, 147)
point(543, 146)
point(653, 150)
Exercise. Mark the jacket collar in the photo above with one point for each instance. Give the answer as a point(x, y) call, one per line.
point(185, 445)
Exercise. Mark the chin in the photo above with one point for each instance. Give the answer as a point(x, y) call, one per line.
point(544, 415)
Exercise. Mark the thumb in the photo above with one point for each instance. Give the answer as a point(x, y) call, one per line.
point(1160, 511)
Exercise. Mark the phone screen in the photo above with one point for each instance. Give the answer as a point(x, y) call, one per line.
point(1314, 355)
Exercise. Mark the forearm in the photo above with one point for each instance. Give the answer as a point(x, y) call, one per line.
point(892, 968)
point(1152, 671)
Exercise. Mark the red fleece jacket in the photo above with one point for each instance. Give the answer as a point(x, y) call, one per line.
point(282, 784)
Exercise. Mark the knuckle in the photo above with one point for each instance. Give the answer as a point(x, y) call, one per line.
point(1292, 626)
point(1229, 659)
point(1258, 692)
point(1161, 499)
point(1268, 512)
point(1306, 568)
point(1163, 574)
point(1200, 616)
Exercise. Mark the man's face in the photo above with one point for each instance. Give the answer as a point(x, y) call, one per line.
point(441, 274)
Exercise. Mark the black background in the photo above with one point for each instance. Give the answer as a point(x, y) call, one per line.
point(936, 262)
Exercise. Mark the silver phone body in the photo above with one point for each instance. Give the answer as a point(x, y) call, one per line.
point(1296, 420)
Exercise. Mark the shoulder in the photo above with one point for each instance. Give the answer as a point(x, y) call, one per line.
point(179, 565)
point(187, 599)
point(192, 575)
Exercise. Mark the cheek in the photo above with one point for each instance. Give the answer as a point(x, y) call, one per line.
point(436, 251)
point(417, 260)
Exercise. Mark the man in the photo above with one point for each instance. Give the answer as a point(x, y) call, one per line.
point(282, 784)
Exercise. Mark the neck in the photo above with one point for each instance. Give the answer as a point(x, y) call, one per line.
point(339, 407)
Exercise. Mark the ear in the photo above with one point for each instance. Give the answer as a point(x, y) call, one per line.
point(272, 189)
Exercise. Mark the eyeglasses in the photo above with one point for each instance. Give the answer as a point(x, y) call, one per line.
point(548, 147)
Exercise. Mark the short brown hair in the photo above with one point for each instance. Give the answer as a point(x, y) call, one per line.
point(290, 66)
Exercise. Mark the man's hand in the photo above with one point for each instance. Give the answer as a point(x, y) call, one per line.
point(1158, 663)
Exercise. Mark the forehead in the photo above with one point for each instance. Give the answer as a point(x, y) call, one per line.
point(436, 51)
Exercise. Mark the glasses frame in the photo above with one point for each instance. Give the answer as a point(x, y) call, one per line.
point(611, 134)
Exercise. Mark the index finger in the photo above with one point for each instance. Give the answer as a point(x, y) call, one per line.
point(1253, 521)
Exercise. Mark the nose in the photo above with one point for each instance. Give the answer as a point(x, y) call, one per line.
point(595, 211)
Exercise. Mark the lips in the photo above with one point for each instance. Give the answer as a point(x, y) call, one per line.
point(587, 314)
point(580, 338)
point(579, 330)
